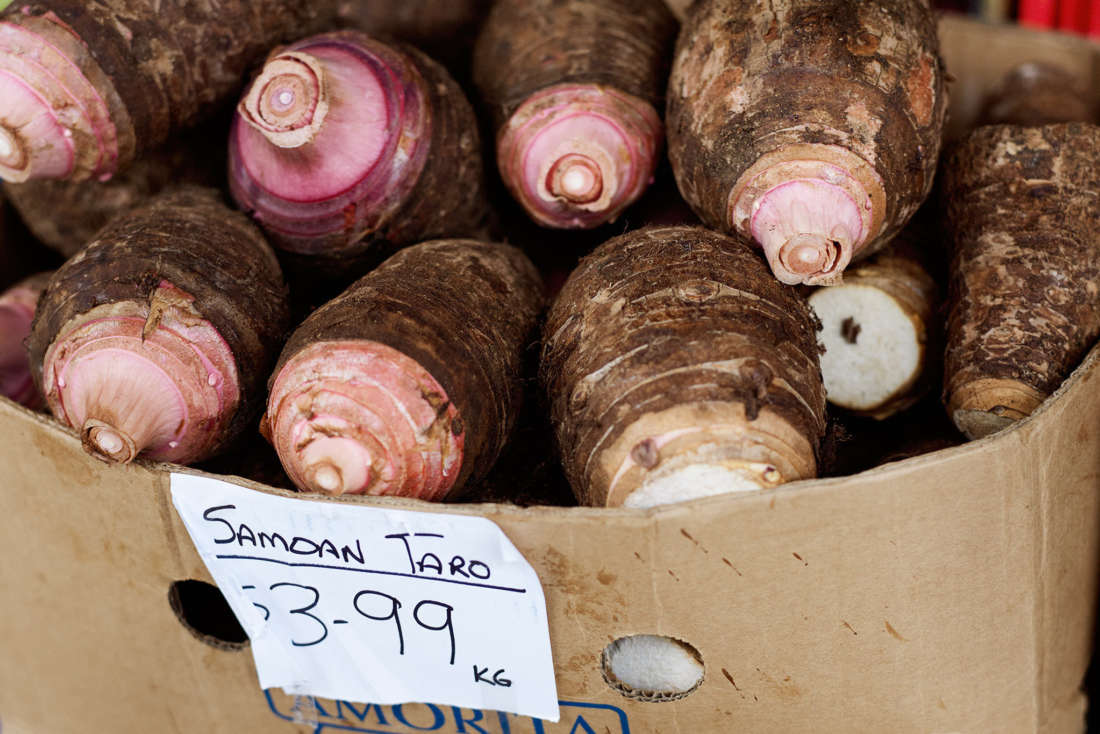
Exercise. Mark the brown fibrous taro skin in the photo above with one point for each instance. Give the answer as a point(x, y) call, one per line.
point(813, 128)
point(574, 88)
point(343, 145)
point(408, 383)
point(881, 329)
point(156, 338)
point(676, 366)
point(1024, 219)
point(88, 86)
point(17, 305)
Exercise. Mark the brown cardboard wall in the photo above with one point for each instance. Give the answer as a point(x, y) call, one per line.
point(952, 592)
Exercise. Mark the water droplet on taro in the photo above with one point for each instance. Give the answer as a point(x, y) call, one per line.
point(61, 382)
point(173, 444)
point(212, 380)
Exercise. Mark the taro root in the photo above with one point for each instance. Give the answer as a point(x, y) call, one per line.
point(1025, 274)
point(157, 337)
point(678, 367)
point(1034, 94)
point(408, 383)
point(811, 127)
point(574, 88)
point(16, 313)
point(343, 145)
point(880, 330)
point(88, 86)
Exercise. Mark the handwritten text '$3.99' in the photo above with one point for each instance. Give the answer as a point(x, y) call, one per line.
point(301, 604)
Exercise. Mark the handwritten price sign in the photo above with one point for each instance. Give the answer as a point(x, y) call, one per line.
point(375, 605)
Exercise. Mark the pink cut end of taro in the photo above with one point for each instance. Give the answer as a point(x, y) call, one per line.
point(359, 417)
point(108, 440)
point(336, 465)
point(288, 102)
point(54, 124)
point(146, 407)
point(576, 178)
point(809, 229)
point(11, 150)
point(575, 156)
point(16, 315)
point(132, 386)
point(356, 162)
point(32, 143)
point(312, 132)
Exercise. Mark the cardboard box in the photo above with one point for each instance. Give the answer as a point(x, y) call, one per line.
point(953, 592)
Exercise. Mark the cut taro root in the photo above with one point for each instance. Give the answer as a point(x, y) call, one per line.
point(408, 383)
point(156, 338)
point(880, 330)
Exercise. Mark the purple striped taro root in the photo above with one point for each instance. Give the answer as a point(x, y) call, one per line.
point(343, 142)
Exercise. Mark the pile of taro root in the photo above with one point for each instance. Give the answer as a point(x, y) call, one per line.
point(536, 251)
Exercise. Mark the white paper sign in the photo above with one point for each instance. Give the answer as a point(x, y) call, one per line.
point(376, 605)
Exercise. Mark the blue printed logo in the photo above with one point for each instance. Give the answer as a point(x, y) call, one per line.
point(368, 718)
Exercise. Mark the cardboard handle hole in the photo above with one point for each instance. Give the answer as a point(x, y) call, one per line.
point(652, 667)
point(201, 608)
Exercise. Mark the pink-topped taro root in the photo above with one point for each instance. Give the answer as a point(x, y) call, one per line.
point(574, 88)
point(156, 338)
point(343, 141)
point(16, 313)
point(85, 89)
point(811, 127)
point(408, 383)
